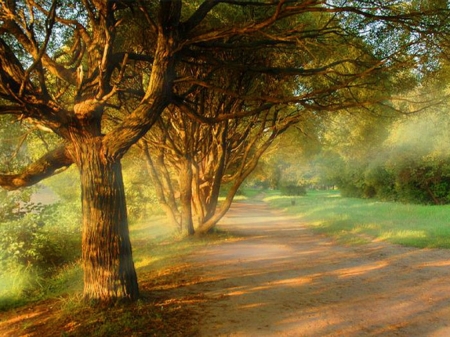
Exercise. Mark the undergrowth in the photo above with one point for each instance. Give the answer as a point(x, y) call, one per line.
point(159, 259)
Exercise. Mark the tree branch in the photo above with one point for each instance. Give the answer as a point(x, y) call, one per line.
point(47, 166)
point(194, 115)
point(199, 14)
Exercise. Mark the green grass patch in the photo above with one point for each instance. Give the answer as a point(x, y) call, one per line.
point(156, 247)
point(159, 256)
point(357, 221)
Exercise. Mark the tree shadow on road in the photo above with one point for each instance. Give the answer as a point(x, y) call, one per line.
point(281, 279)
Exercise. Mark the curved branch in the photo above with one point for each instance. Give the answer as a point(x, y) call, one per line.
point(248, 28)
point(147, 16)
point(10, 109)
point(37, 64)
point(46, 166)
point(199, 14)
point(194, 115)
point(51, 65)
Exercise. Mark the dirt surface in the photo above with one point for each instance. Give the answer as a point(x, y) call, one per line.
point(283, 280)
point(274, 277)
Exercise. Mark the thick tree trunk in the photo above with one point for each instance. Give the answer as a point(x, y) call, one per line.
point(208, 225)
point(109, 272)
point(219, 170)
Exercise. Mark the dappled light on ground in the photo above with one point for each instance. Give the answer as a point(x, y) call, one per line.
point(283, 280)
point(39, 315)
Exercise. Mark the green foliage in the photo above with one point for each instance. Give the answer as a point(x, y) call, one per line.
point(289, 159)
point(142, 201)
point(11, 137)
point(293, 190)
point(23, 243)
point(36, 242)
point(66, 187)
point(405, 159)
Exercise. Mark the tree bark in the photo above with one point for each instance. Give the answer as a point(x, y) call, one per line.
point(185, 181)
point(109, 272)
point(219, 170)
point(163, 187)
point(198, 204)
point(44, 167)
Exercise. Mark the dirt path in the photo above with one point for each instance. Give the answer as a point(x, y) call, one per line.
point(283, 280)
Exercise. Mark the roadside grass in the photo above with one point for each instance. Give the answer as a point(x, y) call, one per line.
point(155, 247)
point(359, 221)
point(56, 307)
point(161, 268)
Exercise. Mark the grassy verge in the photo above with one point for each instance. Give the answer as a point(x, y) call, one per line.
point(161, 267)
point(357, 221)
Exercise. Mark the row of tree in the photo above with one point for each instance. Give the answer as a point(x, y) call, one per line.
point(202, 87)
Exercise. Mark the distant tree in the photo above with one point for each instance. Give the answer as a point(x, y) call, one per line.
point(205, 158)
point(402, 158)
point(351, 144)
point(289, 161)
point(66, 65)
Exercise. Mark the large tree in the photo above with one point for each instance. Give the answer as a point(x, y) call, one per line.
point(65, 65)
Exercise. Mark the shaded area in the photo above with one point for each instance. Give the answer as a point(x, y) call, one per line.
point(157, 313)
point(282, 280)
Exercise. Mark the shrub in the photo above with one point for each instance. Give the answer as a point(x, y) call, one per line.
point(26, 242)
point(42, 237)
point(293, 190)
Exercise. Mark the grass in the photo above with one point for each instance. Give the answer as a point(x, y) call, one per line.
point(12, 284)
point(58, 309)
point(358, 221)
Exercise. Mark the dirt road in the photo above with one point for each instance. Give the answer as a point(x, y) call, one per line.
point(283, 280)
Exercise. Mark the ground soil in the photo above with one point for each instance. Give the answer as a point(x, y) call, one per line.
point(275, 277)
point(281, 279)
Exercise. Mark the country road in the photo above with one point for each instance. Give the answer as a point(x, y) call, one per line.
point(280, 279)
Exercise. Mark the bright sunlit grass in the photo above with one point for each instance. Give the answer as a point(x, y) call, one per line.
point(353, 221)
point(11, 286)
point(156, 246)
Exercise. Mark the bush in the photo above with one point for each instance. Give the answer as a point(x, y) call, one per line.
point(37, 243)
point(293, 190)
point(40, 237)
point(28, 243)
